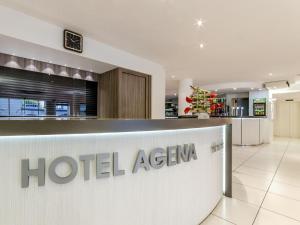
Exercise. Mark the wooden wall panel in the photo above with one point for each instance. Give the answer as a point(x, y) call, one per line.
point(124, 94)
point(108, 94)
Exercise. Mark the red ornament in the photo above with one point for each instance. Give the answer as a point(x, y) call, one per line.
point(189, 100)
point(213, 94)
point(213, 107)
point(187, 109)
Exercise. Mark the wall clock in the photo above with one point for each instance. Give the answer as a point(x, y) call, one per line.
point(73, 41)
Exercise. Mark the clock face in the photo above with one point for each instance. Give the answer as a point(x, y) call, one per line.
point(72, 41)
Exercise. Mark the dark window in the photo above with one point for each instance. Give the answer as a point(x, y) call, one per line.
point(26, 93)
point(62, 109)
point(4, 107)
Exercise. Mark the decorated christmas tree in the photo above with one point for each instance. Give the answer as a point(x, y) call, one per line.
point(200, 101)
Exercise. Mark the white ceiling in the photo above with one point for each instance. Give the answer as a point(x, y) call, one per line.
point(244, 40)
point(286, 96)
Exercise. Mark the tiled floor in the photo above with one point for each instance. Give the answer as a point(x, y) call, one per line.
point(266, 186)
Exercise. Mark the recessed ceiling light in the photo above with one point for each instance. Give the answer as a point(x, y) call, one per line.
point(201, 45)
point(200, 23)
point(270, 74)
point(173, 77)
point(175, 94)
point(252, 88)
point(65, 64)
point(234, 88)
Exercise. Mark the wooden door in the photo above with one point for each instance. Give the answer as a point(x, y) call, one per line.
point(134, 95)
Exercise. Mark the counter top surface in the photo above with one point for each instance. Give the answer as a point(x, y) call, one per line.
point(52, 126)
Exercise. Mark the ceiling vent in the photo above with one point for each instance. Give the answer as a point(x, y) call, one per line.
point(277, 84)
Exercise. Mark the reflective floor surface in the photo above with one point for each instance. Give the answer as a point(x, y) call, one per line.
point(266, 186)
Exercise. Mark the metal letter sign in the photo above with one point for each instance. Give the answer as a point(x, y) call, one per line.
point(107, 164)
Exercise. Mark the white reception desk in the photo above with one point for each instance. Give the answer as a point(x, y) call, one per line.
point(91, 172)
point(251, 131)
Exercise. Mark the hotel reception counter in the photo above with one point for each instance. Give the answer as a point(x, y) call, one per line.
point(112, 172)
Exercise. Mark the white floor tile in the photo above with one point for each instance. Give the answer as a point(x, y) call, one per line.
point(285, 190)
point(286, 169)
point(251, 181)
point(282, 205)
point(248, 194)
point(214, 220)
point(236, 211)
point(266, 217)
point(255, 172)
point(235, 165)
point(287, 179)
point(262, 165)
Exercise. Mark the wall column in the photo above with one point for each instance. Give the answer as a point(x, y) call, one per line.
point(183, 91)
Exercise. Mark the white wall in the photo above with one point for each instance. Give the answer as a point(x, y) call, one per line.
point(26, 28)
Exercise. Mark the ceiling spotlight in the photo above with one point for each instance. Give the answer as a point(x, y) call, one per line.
point(200, 23)
point(175, 94)
point(201, 45)
point(252, 88)
point(234, 88)
point(173, 77)
point(270, 74)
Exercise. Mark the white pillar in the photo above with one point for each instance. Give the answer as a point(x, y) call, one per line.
point(184, 91)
